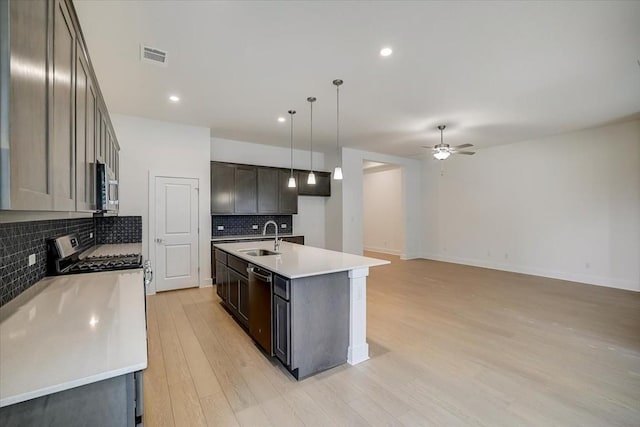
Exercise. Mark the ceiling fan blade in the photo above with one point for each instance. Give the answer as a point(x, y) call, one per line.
point(468, 153)
point(426, 146)
point(457, 147)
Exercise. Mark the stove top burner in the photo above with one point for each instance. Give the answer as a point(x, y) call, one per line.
point(106, 263)
point(65, 257)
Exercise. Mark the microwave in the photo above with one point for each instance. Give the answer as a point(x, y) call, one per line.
point(107, 189)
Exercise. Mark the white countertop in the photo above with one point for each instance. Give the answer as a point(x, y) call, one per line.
point(114, 249)
point(252, 237)
point(67, 331)
point(295, 261)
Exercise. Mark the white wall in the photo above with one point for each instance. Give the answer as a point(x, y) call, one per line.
point(566, 206)
point(350, 222)
point(333, 209)
point(383, 216)
point(168, 149)
point(310, 220)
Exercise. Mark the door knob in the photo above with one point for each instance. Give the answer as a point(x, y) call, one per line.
point(159, 240)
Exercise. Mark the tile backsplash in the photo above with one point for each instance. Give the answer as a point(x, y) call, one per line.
point(118, 229)
point(18, 240)
point(241, 225)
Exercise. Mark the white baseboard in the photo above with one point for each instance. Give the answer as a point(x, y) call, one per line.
point(381, 250)
point(608, 282)
point(206, 283)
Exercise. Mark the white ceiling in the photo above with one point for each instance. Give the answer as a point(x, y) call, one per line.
point(494, 73)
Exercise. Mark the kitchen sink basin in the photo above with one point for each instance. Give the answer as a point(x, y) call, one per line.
point(258, 252)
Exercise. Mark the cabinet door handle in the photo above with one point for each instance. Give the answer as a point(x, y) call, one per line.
point(251, 270)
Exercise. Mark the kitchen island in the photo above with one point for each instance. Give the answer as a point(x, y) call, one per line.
point(316, 301)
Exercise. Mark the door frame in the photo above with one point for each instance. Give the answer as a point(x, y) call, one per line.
point(151, 214)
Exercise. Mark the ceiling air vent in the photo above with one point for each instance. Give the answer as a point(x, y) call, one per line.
point(153, 55)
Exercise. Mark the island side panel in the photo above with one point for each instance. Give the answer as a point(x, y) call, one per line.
point(319, 323)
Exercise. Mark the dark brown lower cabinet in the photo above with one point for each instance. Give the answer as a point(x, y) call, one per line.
point(281, 329)
point(115, 401)
point(222, 281)
point(213, 264)
point(234, 290)
point(309, 315)
point(238, 301)
point(243, 300)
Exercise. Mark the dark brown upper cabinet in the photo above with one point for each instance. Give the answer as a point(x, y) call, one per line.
point(49, 119)
point(246, 189)
point(322, 187)
point(222, 188)
point(288, 197)
point(267, 190)
point(238, 189)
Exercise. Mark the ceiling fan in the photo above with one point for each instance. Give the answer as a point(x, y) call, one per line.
point(442, 151)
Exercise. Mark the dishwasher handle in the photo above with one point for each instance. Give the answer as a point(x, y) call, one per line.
point(265, 278)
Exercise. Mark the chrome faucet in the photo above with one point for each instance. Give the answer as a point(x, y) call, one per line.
point(276, 242)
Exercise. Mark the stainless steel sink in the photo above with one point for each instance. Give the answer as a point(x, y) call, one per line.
point(258, 252)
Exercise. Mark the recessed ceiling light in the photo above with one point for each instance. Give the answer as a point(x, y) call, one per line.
point(174, 98)
point(281, 119)
point(386, 51)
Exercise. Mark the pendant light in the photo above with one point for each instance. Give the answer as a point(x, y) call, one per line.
point(311, 180)
point(337, 173)
point(292, 180)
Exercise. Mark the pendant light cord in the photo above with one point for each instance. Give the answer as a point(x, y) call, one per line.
point(311, 136)
point(292, 113)
point(338, 119)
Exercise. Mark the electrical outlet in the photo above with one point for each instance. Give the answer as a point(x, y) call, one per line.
point(283, 225)
point(254, 226)
point(32, 259)
point(91, 235)
point(220, 227)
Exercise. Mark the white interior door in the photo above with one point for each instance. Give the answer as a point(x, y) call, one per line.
point(176, 213)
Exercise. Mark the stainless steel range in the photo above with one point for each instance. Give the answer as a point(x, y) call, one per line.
point(65, 257)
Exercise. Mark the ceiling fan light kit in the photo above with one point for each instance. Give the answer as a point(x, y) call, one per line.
point(442, 151)
point(441, 154)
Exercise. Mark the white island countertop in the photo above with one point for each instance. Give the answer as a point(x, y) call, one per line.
point(295, 261)
point(251, 237)
point(68, 331)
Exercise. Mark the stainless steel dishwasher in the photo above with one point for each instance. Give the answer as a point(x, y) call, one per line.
point(260, 300)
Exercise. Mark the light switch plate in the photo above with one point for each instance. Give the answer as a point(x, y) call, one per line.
point(283, 225)
point(91, 235)
point(220, 227)
point(32, 259)
point(254, 226)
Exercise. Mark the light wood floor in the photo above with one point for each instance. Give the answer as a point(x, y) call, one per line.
point(450, 345)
